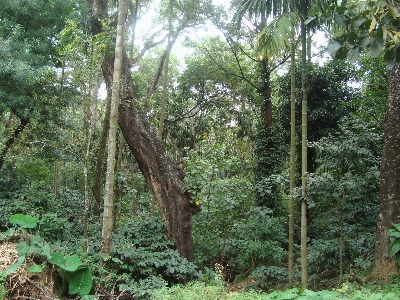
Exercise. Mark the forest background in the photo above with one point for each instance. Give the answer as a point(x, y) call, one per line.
point(203, 162)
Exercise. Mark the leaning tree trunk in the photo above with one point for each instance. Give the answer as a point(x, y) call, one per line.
point(163, 178)
point(389, 208)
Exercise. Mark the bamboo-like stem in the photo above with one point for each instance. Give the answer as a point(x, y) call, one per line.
point(109, 186)
point(292, 158)
point(303, 150)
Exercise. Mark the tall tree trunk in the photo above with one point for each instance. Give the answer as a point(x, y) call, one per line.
point(55, 179)
point(165, 81)
point(97, 187)
point(389, 208)
point(134, 21)
point(116, 84)
point(11, 140)
point(292, 157)
point(303, 148)
point(163, 178)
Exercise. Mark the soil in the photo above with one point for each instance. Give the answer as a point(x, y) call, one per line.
point(23, 284)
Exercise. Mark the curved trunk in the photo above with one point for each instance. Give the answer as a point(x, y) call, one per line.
point(160, 172)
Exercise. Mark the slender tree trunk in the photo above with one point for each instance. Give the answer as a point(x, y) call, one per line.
point(109, 186)
point(292, 157)
point(173, 202)
point(165, 82)
point(303, 149)
point(86, 192)
point(55, 179)
point(389, 208)
point(9, 123)
point(11, 140)
point(97, 187)
point(341, 242)
point(134, 21)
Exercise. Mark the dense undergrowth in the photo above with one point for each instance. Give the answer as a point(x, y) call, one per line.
point(232, 237)
point(348, 291)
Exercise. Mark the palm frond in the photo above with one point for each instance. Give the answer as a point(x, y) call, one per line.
point(255, 8)
point(278, 35)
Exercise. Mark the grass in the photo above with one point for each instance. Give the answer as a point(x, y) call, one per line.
point(348, 291)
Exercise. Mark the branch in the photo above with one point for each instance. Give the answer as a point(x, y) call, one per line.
point(11, 140)
point(226, 70)
point(147, 46)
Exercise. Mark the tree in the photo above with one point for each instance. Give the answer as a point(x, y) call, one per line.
point(274, 44)
point(389, 207)
point(116, 87)
point(28, 86)
point(303, 11)
point(168, 188)
point(373, 29)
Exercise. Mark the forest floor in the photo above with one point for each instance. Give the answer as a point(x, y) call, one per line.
point(23, 284)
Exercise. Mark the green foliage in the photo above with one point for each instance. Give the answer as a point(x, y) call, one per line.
point(277, 36)
point(270, 152)
point(142, 259)
point(229, 230)
point(70, 269)
point(24, 221)
point(201, 291)
point(210, 164)
point(370, 29)
point(394, 235)
point(3, 291)
point(345, 185)
point(267, 277)
point(296, 293)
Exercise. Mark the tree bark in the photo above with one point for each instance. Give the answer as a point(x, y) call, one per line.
point(116, 83)
point(100, 160)
point(389, 208)
point(292, 158)
point(163, 178)
point(11, 140)
point(304, 147)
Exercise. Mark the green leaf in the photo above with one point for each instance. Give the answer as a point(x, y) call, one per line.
point(342, 53)
point(11, 269)
point(81, 282)
point(375, 48)
point(290, 294)
point(72, 262)
point(89, 297)
point(24, 221)
point(396, 226)
point(395, 248)
point(35, 269)
point(69, 263)
point(23, 248)
point(333, 46)
point(57, 259)
point(353, 54)
point(117, 260)
point(326, 295)
point(273, 295)
point(46, 250)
